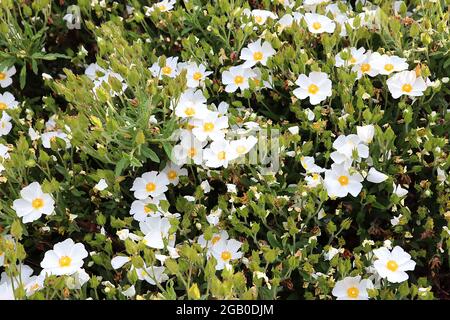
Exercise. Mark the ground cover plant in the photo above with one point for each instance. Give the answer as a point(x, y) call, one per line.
point(229, 149)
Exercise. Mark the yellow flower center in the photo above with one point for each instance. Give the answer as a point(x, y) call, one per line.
point(406, 88)
point(258, 56)
point(241, 149)
point(162, 7)
point(208, 127)
point(166, 70)
point(172, 174)
point(392, 265)
point(37, 203)
point(221, 155)
point(147, 210)
point(215, 239)
point(315, 176)
point(389, 67)
point(34, 287)
point(3, 106)
point(226, 255)
point(352, 292)
point(365, 67)
point(256, 81)
point(150, 187)
point(2, 76)
point(316, 25)
point(352, 60)
point(197, 76)
point(313, 89)
point(192, 152)
point(258, 19)
point(343, 180)
point(65, 261)
point(238, 80)
point(189, 111)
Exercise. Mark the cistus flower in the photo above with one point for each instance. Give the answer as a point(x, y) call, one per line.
point(6, 76)
point(150, 184)
point(393, 265)
point(406, 83)
point(339, 181)
point(225, 251)
point(352, 288)
point(318, 23)
point(66, 258)
point(7, 101)
point(316, 86)
point(256, 52)
point(191, 105)
point(34, 203)
point(237, 78)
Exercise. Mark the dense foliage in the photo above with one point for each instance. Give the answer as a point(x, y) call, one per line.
point(229, 149)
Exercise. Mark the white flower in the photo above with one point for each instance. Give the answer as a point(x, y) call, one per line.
point(216, 237)
point(152, 274)
point(142, 209)
point(260, 16)
point(5, 124)
point(206, 187)
point(7, 101)
point(318, 23)
point(189, 150)
point(367, 65)
point(48, 137)
point(130, 292)
point(257, 79)
point(406, 83)
point(237, 78)
point(156, 229)
point(150, 184)
point(169, 70)
point(353, 57)
point(4, 154)
point(225, 251)
point(352, 288)
point(174, 172)
point(73, 17)
point(376, 176)
point(314, 180)
point(191, 104)
point(211, 126)
point(396, 220)
point(345, 147)
point(26, 280)
point(66, 258)
point(214, 217)
point(219, 154)
point(5, 76)
point(316, 86)
point(33, 203)
point(119, 261)
point(195, 74)
point(309, 165)
point(388, 64)
point(366, 133)
point(256, 53)
point(393, 264)
point(33, 134)
point(163, 6)
point(99, 75)
point(101, 185)
point(242, 146)
point(339, 181)
point(399, 191)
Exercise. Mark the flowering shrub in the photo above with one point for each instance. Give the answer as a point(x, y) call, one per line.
point(224, 149)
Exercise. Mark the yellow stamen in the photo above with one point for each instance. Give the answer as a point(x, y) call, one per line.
point(166, 70)
point(172, 174)
point(150, 187)
point(392, 265)
point(241, 149)
point(221, 155)
point(197, 76)
point(238, 80)
point(226, 255)
point(365, 67)
point(208, 127)
point(313, 89)
point(407, 88)
point(258, 56)
point(316, 25)
point(189, 111)
point(353, 292)
point(343, 180)
point(389, 67)
point(65, 261)
point(3, 106)
point(37, 203)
